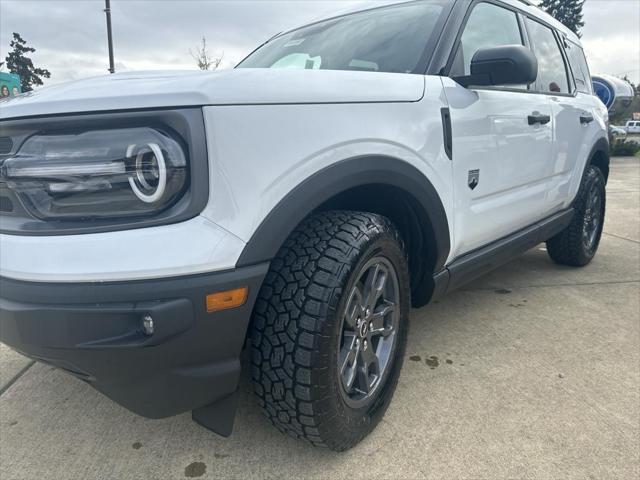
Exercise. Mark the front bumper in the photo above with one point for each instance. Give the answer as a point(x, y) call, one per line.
point(94, 331)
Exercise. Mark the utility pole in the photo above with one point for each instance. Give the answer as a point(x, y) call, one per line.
point(107, 11)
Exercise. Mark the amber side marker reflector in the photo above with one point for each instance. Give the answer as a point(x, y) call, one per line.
point(225, 300)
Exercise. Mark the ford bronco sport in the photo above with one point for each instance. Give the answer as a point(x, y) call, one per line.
point(151, 223)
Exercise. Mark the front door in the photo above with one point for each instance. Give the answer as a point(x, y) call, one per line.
point(502, 141)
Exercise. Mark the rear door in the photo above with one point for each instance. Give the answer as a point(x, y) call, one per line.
point(572, 106)
point(502, 139)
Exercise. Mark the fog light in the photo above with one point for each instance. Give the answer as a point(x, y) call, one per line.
point(147, 325)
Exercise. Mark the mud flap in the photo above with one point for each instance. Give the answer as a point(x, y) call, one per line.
point(219, 415)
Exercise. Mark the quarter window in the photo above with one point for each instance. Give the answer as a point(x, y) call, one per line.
point(579, 68)
point(488, 26)
point(552, 73)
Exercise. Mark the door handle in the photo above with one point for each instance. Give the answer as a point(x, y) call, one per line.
point(586, 118)
point(537, 117)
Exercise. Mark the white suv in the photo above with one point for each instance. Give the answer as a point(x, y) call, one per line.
point(343, 172)
point(632, 127)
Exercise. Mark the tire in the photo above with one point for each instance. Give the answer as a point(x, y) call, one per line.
point(298, 323)
point(577, 244)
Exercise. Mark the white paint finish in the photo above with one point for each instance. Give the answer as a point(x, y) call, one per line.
point(269, 130)
point(573, 142)
point(194, 246)
point(231, 87)
point(632, 127)
point(491, 134)
point(259, 154)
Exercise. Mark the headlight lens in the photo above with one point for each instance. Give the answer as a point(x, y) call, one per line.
point(98, 174)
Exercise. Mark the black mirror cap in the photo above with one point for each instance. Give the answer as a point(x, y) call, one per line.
point(504, 65)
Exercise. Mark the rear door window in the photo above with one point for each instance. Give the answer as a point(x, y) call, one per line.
point(552, 72)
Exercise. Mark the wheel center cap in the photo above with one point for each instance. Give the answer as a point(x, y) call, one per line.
point(364, 329)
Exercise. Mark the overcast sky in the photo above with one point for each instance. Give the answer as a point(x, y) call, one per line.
point(70, 37)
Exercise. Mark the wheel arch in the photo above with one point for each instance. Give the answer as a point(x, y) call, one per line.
point(599, 156)
point(373, 183)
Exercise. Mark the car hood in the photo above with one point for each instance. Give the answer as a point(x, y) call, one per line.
point(139, 90)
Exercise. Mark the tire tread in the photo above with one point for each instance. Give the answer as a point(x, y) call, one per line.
point(300, 291)
point(566, 247)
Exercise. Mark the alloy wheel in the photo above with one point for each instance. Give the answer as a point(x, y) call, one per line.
point(369, 331)
point(592, 218)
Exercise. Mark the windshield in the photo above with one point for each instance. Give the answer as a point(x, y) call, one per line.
point(388, 39)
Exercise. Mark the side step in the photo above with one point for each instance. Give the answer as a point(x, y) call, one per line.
point(482, 260)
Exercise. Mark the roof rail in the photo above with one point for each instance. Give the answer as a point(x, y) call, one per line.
point(528, 2)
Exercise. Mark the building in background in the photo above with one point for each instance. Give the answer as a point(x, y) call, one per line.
point(9, 85)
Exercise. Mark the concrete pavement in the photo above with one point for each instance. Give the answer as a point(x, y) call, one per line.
point(532, 371)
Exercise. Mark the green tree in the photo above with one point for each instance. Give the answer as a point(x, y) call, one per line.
point(567, 12)
point(20, 64)
point(636, 88)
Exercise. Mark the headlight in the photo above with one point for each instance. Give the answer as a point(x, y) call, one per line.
point(97, 174)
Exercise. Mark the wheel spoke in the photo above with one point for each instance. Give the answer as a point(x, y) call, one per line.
point(374, 287)
point(375, 366)
point(351, 378)
point(368, 355)
point(369, 365)
point(384, 331)
point(350, 359)
point(354, 308)
point(377, 319)
point(347, 354)
point(363, 378)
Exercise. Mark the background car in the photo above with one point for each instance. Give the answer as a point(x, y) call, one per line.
point(632, 126)
point(617, 131)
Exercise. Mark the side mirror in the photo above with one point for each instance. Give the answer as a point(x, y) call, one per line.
point(505, 65)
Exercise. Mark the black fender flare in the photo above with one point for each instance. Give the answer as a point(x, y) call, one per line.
point(601, 146)
point(340, 177)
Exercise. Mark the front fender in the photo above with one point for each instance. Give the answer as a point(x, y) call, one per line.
point(338, 178)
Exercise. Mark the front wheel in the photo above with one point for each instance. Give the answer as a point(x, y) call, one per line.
point(329, 328)
point(577, 244)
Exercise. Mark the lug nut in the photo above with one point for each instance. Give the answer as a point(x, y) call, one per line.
point(364, 344)
point(370, 325)
point(147, 325)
